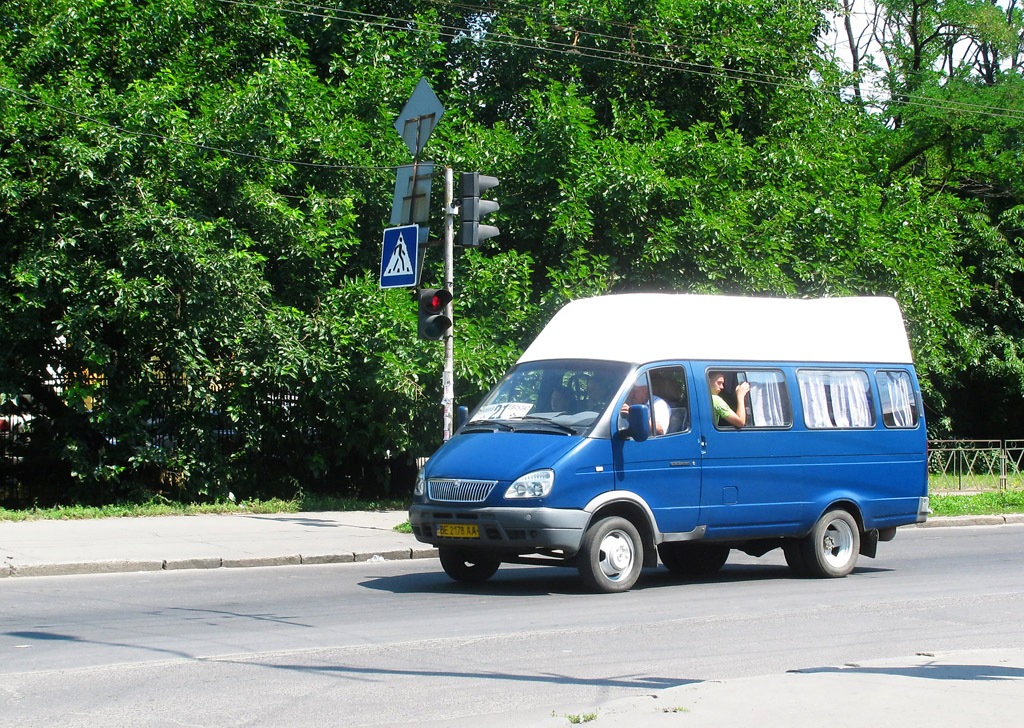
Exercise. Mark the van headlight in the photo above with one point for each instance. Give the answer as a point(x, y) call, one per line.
point(421, 484)
point(532, 485)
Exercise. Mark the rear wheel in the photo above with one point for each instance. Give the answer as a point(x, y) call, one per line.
point(467, 566)
point(611, 555)
point(831, 549)
point(693, 559)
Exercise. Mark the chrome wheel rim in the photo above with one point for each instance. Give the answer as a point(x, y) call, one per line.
point(837, 544)
point(616, 555)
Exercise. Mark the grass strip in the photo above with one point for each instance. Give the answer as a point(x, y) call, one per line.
point(162, 507)
point(978, 504)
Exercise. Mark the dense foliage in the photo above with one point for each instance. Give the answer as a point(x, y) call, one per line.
point(192, 196)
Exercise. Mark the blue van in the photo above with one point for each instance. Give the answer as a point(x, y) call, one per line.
point(677, 426)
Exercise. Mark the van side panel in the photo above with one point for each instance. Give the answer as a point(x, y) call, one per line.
point(777, 482)
point(755, 483)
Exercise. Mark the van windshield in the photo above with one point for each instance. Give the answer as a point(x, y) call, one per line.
point(563, 395)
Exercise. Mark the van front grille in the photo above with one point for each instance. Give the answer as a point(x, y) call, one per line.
point(459, 491)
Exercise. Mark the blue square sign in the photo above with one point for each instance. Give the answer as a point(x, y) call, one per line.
point(398, 259)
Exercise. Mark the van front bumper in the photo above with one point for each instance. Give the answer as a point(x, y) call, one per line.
point(508, 530)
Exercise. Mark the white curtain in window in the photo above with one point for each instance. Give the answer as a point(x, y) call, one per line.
point(815, 398)
point(835, 399)
point(897, 386)
point(766, 400)
point(849, 395)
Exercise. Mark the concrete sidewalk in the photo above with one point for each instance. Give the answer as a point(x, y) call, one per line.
point(96, 546)
point(51, 548)
point(926, 690)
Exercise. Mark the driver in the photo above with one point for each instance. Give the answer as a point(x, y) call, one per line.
point(641, 394)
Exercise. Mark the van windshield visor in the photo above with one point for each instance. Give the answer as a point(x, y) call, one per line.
point(558, 396)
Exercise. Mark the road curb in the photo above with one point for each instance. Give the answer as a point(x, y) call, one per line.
point(318, 559)
point(85, 567)
point(209, 562)
point(180, 564)
point(953, 521)
point(293, 560)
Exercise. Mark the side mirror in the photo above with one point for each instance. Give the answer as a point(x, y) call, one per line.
point(639, 422)
point(461, 415)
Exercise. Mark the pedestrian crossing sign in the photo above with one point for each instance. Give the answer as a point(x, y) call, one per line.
point(398, 259)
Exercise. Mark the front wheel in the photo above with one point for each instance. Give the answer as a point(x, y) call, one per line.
point(831, 548)
point(467, 566)
point(611, 555)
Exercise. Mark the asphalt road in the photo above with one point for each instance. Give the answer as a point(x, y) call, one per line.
point(386, 643)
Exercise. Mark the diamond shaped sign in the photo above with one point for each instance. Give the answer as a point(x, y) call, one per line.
point(419, 117)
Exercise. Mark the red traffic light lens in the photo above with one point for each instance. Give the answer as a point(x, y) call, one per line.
point(434, 300)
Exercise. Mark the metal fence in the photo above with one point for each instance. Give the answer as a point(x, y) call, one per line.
point(975, 465)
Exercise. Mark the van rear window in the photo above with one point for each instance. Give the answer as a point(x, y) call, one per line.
point(899, 405)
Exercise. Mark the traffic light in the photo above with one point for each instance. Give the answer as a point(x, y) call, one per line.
point(472, 208)
point(433, 323)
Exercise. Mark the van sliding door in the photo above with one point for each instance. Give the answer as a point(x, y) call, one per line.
point(752, 474)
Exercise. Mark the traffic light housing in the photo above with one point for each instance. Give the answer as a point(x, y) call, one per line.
point(472, 208)
point(433, 324)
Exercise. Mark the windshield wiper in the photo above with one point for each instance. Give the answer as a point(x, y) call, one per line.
point(487, 425)
point(551, 423)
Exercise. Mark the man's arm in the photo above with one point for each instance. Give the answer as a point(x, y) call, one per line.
point(734, 419)
point(662, 416)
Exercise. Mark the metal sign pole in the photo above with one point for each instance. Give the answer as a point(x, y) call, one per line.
point(448, 378)
point(424, 110)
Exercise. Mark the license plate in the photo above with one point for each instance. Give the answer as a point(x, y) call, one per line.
point(458, 530)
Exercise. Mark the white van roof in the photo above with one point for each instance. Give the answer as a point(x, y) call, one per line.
point(647, 327)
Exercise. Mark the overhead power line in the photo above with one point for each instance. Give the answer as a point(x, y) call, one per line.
point(573, 50)
point(576, 51)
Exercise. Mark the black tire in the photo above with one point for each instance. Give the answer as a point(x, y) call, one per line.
point(467, 566)
point(611, 555)
point(688, 558)
point(831, 548)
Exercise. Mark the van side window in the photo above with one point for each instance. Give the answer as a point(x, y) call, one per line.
point(836, 398)
point(768, 402)
point(769, 399)
point(899, 405)
point(669, 383)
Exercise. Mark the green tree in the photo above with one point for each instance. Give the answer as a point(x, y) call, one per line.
point(179, 189)
point(192, 197)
